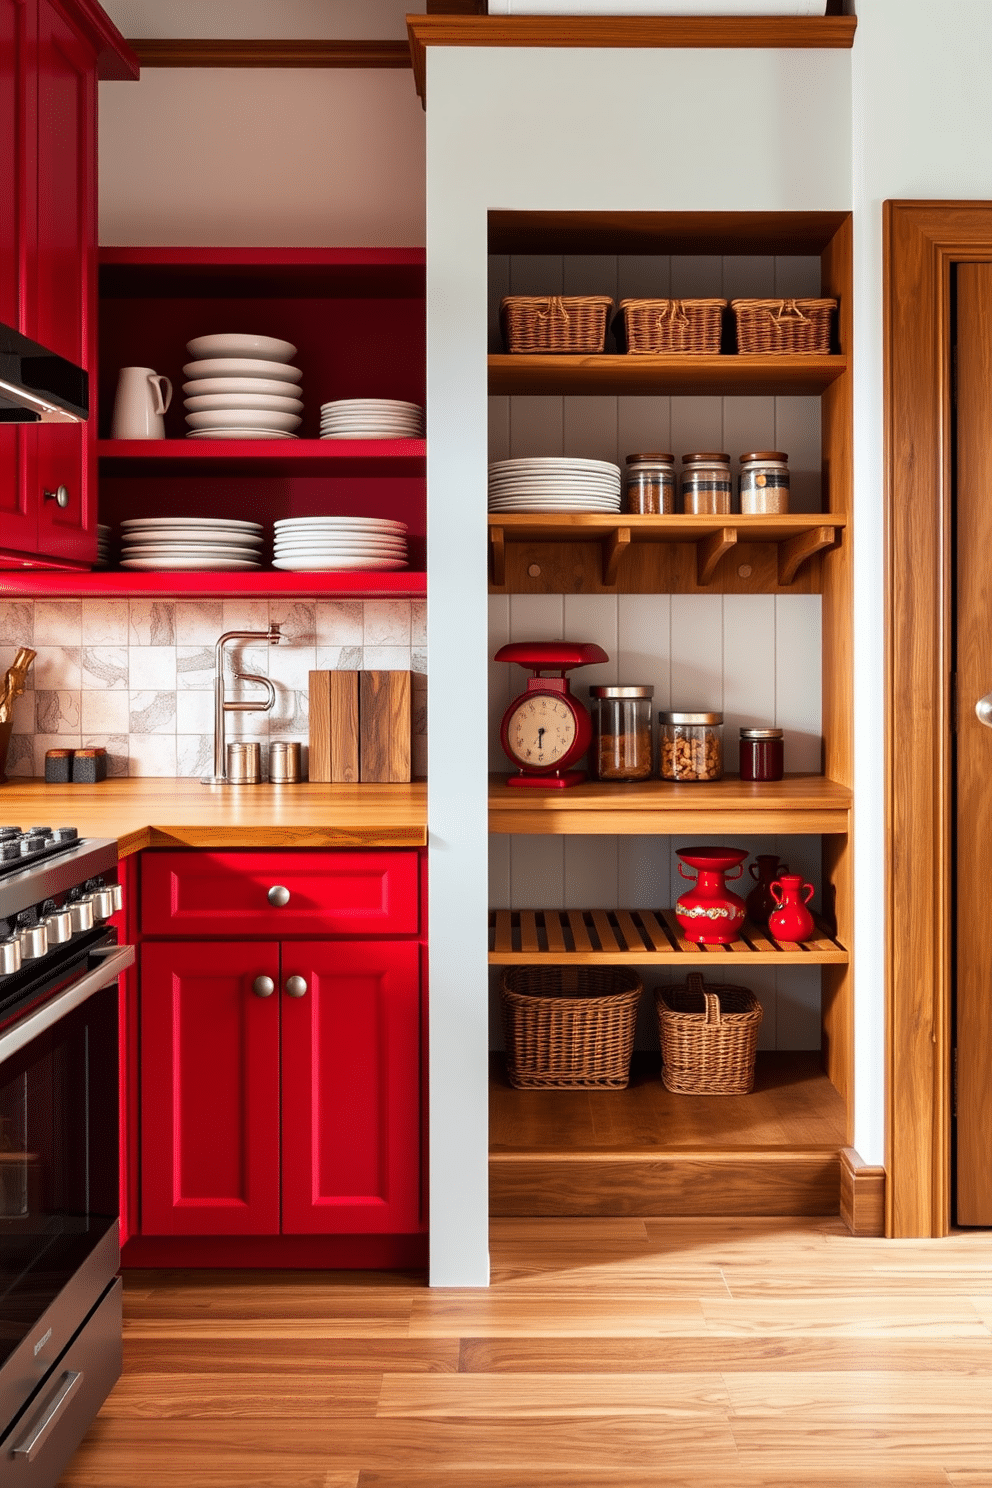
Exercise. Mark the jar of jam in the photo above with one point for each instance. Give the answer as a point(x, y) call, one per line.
point(764, 482)
point(649, 484)
point(762, 754)
point(622, 746)
point(690, 746)
point(706, 485)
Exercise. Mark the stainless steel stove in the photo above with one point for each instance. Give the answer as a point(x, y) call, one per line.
point(60, 1311)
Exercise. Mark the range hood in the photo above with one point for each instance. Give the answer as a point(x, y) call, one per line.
point(38, 387)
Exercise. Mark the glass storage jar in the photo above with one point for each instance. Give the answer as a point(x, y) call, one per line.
point(764, 482)
point(706, 485)
point(690, 746)
point(762, 754)
point(622, 744)
point(649, 484)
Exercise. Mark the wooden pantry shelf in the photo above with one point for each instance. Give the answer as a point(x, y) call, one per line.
point(798, 804)
point(797, 538)
point(331, 458)
point(641, 937)
point(684, 376)
point(110, 584)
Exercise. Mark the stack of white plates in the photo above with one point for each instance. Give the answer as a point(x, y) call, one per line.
point(156, 544)
point(329, 544)
point(554, 483)
point(371, 418)
point(242, 387)
point(102, 545)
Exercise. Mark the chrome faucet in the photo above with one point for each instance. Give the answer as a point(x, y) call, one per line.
point(223, 705)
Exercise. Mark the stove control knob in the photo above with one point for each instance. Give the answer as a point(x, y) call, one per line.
point(117, 894)
point(278, 896)
point(34, 942)
point(58, 924)
point(263, 986)
point(10, 956)
point(103, 904)
point(32, 843)
point(81, 911)
point(65, 834)
point(9, 851)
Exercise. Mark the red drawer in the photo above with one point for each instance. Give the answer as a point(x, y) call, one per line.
point(196, 894)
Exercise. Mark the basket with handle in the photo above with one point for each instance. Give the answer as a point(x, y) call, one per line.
point(681, 327)
point(784, 327)
point(569, 1027)
point(709, 1037)
point(562, 324)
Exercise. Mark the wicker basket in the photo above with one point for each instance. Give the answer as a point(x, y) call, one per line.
point(709, 1037)
point(688, 327)
point(555, 323)
point(569, 1028)
point(784, 327)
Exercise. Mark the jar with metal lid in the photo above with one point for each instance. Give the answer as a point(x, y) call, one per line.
point(690, 746)
point(622, 746)
point(764, 482)
point(762, 754)
point(706, 484)
point(649, 484)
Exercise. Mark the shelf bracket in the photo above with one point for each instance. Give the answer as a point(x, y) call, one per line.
point(496, 537)
point(614, 547)
point(709, 551)
point(795, 551)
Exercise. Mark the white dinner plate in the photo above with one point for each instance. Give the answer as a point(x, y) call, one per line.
point(216, 402)
point(201, 386)
point(558, 506)
point(241, 346)
point(554, 462)
point(594, 503)
point(244, 418)
point(178, 565)
point(238, 434)
point(523, 488)
point(202, 550)
point(384, 404)
point(242, 367)
point(368, 550)
point(289, 524)
point(338, 565)
point(360, 427)
point(237, 524)
point(367, 434)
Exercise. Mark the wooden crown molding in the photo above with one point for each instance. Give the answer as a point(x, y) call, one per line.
point(194, 52)
point(621, 31)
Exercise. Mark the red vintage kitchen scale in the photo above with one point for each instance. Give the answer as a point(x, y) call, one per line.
point(546, 729)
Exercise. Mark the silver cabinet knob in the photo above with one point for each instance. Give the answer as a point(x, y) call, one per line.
point(263, 986)
point(984, 710)
point(278, 895)
point(296, 986)
point(60, 496)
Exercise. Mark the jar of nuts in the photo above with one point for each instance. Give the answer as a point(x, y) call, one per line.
point(649, 484)
point(690, 746)
point(621, 733)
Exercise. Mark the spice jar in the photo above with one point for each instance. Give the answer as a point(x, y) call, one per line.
point(649, 484)
point(690, 746)
point(621, 733)
point(706, 485)
point(762, 754)
point(764, 482)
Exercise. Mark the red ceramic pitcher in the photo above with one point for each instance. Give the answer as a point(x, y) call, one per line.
point(764, 870)
point(709, 913)
point(791, 920)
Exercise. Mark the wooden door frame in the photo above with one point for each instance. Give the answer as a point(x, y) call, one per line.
point(923, 240)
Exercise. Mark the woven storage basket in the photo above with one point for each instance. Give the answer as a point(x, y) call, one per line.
point(569, 1027)
point(709, 1037)
point(690, 327)
point(555, 323)
point(788, 327)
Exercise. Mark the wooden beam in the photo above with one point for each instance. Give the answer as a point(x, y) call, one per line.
point(178, 51)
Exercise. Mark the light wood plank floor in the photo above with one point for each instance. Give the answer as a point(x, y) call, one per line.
point(627, 1353)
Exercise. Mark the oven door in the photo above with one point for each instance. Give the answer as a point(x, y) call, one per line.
point(59, 1242)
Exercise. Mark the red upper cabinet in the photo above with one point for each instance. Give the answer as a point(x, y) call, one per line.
point(18, 517)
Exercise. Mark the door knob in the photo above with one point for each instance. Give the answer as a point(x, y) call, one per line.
point(296, 986)
point(278, 895)
point(263, 986)
point(60, 496)
point(984, 710)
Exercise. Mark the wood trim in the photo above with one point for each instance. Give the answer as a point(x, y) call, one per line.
point(662, 232)
point(178, 51)
point(116, 59)
point(923, 240)
point(862, 1196)
point(621, 31)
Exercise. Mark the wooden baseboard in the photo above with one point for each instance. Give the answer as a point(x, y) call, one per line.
point(862, 1195)
point(690, 1182)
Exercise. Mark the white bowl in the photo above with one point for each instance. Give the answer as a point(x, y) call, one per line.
point(202, 386)
point(214, 401)
point(241, 346)
point(244, 418)
point(242, 367)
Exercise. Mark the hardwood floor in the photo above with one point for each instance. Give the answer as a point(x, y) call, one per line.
point(768, 1353)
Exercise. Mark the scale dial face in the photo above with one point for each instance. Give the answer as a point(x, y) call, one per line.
point(541, 730)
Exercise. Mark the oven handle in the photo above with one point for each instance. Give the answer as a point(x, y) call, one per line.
point(30, 1446)
point(115, 960)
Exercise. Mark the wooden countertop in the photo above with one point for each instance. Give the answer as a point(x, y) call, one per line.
point(155, 812)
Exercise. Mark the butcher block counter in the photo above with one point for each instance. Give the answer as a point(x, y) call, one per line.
point(155, 812)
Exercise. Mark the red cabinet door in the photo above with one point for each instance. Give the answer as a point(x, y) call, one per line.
point(209, 1090)
point(18, 516)
point(351, 1088)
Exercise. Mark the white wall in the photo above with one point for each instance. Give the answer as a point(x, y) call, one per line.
point(567, 130)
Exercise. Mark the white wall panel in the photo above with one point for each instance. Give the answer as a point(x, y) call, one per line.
point(798, 679)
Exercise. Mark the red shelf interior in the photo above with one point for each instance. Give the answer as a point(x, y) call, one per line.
point(406, 584)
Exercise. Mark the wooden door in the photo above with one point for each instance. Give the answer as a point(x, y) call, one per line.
point(973, 536)
point(209, 1089)
point(351, 1088)
point(18, 515)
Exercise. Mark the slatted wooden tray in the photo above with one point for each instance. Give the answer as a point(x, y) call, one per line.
point(608, 937)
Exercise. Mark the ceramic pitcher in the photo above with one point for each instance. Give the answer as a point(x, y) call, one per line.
point(140, 404)
point(791, 920)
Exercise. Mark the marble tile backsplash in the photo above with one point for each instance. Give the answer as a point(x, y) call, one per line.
point(136, 676)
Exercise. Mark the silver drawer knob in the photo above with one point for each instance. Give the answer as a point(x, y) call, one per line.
point(263, 986)
point(278, 896)
point(296, 986)
point(60, 496)
point(81, 911)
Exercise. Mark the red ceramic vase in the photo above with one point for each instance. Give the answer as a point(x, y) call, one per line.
point(709, 913)
point(764, 870)
point(791, 920)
